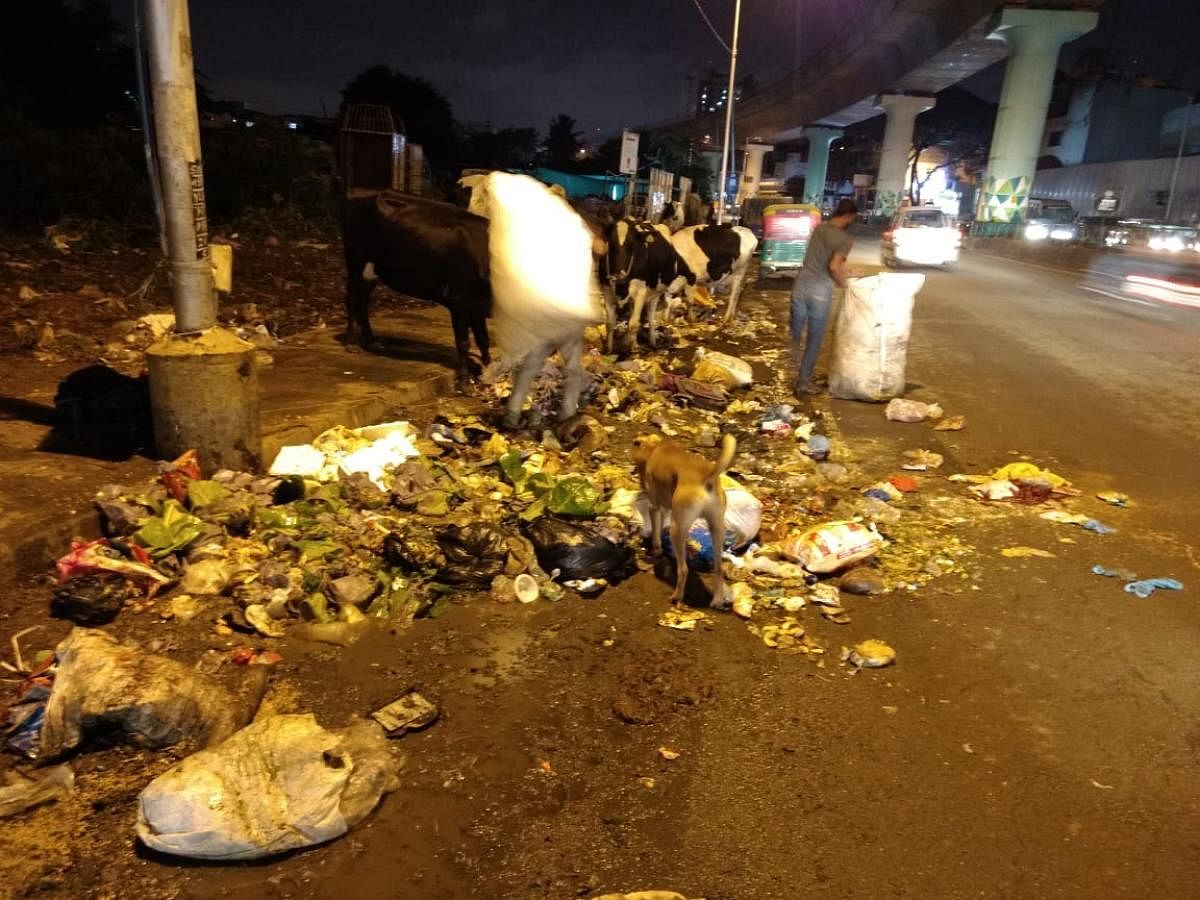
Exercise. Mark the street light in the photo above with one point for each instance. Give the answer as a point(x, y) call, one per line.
point(733, 50)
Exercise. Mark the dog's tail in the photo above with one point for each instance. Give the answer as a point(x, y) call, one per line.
point(725, 460)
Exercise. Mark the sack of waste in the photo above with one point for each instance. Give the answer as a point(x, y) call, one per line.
point(870, 345)
point(579, 551)
point(104, 685)
point(281, 783)
point(832, 546)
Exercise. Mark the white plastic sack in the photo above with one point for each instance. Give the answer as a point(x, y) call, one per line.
point(832, 546)
point(871, 341)
point(281, 783)
point(728, 371)
point(743, 516)
point(901, 410)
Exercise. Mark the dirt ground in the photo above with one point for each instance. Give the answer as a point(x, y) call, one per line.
point(1012, 751)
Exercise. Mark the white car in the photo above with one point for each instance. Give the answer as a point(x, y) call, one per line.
point(922, 236)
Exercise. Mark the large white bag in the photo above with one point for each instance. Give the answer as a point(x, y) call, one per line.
point(870, 345)
point(283, 782)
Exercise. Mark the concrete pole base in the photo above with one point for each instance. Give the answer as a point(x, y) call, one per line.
point(204, 395)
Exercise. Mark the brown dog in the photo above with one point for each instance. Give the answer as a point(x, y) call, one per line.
point(687, 486)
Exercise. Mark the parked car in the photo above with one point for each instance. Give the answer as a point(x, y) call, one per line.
point(786, 228)
point(922, 236)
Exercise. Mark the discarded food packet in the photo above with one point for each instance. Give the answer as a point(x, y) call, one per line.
point(1123, 574)
point(818, 447)
point(411, 712)
point(1147, 586)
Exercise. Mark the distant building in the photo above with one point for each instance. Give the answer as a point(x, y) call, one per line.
point(711, 90)
point(1110, 119)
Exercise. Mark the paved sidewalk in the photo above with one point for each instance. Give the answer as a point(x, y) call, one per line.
point(312, 384)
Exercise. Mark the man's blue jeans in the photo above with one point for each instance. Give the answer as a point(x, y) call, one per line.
point(810, 312)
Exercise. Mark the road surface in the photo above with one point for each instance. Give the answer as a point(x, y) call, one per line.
point(1038, 737)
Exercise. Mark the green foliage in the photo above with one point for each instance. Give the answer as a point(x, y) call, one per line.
point(561, 146)
point(508, 148)
point(418, 108)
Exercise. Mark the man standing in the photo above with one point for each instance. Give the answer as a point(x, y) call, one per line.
point(812, 294)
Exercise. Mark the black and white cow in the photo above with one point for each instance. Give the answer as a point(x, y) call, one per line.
point(641, 266)
point(717, 254)
point(429, 250)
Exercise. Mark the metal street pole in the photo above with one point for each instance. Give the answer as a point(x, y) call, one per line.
point(203, 378)
point(733, 51)
point(1187, 120)
point(177, 135)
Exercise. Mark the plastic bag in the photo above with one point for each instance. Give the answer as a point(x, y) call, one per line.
point(93, 599)
point(475, 553)
point(20, 794)
point(579, 551)
point(743, 518)
point(832, 546)
point(721, 368)
point(102, 683)
point(279, 784)
point(899, 410)
point(871, 342)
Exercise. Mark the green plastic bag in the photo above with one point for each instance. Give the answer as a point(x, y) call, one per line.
point(173, 530)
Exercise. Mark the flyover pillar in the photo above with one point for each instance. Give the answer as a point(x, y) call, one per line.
point(1034, 37)
point(902, 111)
point(751, 180)
point(820, 139)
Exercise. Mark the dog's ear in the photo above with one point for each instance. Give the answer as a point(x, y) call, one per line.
point(643, 446)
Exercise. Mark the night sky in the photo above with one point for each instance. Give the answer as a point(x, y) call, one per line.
point(608, 63)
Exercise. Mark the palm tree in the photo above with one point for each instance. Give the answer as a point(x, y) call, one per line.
point(562, 144)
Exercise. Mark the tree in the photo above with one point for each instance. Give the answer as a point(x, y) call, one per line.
point(562, 144)
point(65, 65)
point(508, 148)
point(960, 125)
point(417, 107)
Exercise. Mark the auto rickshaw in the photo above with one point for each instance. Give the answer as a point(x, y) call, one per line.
point(786, 230)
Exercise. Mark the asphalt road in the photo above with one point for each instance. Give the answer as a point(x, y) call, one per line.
point(1039, 736)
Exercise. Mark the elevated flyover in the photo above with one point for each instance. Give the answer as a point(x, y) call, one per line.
point(893, 56)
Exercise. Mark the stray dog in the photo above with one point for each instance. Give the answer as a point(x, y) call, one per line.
point(687, 486)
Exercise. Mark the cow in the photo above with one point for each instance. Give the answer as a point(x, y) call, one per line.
point(715, 254)
point(544, 288)
point(429, 250)
point(642, 265)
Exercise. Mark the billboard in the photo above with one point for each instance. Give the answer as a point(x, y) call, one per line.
point(629, 152)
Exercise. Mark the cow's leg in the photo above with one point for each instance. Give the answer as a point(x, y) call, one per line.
point(462, 345)
point(358, 303)
point(637, 291)
point(572, 354)
point(652, 316)
point(610, 316)
point(526, 372)
point(735, 292)
point(479, 328)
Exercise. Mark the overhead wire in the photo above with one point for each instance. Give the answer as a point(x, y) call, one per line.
point(711, 27)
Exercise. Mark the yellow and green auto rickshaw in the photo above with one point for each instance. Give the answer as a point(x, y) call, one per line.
point(786, 230)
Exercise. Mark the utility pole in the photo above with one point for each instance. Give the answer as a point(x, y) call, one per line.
point(203, 382)
point(733, 51)
point(1187, 120)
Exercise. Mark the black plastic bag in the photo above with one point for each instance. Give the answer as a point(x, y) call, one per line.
point(90, 599)
point(413, 549)
point(475, 553)
point(579, 551)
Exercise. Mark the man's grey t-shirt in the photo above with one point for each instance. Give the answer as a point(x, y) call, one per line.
point(826, 242)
